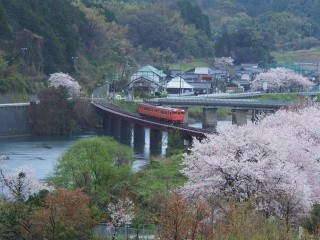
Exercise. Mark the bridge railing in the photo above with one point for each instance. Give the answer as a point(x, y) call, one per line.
point(222, 102)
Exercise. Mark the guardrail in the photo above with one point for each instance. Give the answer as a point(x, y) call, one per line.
point(14, 104)
point(234, 103)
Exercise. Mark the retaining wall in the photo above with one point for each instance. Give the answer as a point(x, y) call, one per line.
point(14, 119)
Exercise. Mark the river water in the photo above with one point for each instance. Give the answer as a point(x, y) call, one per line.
point(42, 153)
point(38, 153)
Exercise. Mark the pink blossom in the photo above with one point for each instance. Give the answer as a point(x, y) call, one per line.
point(281, 80)
point(121, 213)
point(65, 80)
point(276, 159)
point(223, 62)
point(22, 183)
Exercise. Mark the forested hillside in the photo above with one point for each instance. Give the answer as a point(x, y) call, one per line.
point(99, 40)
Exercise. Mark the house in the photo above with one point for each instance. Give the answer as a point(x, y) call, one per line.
point(246, 84)
point(176, 72)
point(219, 73)
point(145, 85)
point(147, 80)
point(204, 74)
point(202, 71)
point(234, 87)
point(150, 72)
point(205, 79)
point(247, 71)
point(202, 87)
point(178, 85)
point(190, 77)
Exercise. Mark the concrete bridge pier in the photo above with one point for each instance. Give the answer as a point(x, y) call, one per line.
point(139, 137)
point(126, 132)
point(106, 123)
point(186, 116)
point(210, 116)
point(254, 116)
point(155, 142)
point(239, 116)
point(187, 140)
point(115, 127)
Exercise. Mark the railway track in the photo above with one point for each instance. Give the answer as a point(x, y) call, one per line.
point(137, 119)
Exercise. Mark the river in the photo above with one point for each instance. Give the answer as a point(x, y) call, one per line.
point(42, 153)
point(38, 153)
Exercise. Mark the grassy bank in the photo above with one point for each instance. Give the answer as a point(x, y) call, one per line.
point(280, 96)
point(128, 106)
point(289, 57)
point(197, 113)
point(162, 174)
point(186, 66)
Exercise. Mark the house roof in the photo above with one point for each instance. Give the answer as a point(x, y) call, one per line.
point(232, 84)
point(215, 71)
point(201, 85)
point(152, 69)
point(176, 72)
point(190, 77)
point(144, 78)
point(242, 82)
point(178, 82)
point(202, 70)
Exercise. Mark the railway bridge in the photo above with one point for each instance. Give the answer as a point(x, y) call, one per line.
point(240, 108)
point(121, 123)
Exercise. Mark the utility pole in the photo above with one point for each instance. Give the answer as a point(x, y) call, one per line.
point(309, 29)
point(24, 49)
point(75, 60)
point(180, 73)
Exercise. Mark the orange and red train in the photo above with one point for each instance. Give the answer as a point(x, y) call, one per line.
point(175, 115)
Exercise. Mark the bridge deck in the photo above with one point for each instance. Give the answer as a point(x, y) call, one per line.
point(215, 103)
point(135, 118)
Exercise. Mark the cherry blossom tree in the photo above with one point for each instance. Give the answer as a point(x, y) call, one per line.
point(281, 80)
point(275, 162)
point(121, 213)
point(223, 62)
point(21, 183)
point(65, 80)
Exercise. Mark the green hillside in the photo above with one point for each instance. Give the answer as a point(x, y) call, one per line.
point(99, 40)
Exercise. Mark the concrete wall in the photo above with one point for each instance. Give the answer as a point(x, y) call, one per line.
point(14, 119)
